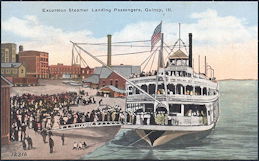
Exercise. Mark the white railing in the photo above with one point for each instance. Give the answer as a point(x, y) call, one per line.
point(89, 124)
point(173, 97)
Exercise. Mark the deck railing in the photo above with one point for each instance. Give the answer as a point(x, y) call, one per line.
point(89, 124)
point(174, 97)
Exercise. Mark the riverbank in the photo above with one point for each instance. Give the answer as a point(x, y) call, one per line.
point(94, 136)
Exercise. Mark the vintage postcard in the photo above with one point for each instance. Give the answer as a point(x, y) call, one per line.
point(129, 80)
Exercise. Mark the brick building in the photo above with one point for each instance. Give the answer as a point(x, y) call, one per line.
point(8, 53)
point(5, 110)
point(86, 72)
point(35, 62)
point(61, 71)
point(105, 77)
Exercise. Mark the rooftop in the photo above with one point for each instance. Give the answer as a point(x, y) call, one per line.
point(94, 78)
point(113, 89)
point(10, 65)
point(124, 70)
point(179, 54)
point(32, 52)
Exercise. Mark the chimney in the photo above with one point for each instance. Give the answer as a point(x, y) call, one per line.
point(109, 50)
point(190, 50)
point(20, 48)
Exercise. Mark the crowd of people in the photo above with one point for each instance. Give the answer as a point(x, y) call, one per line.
point(42, 113)
point(143, 74)
point(37, 112)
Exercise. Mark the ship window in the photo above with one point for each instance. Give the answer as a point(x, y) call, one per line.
point(194, 110)
point(175, 108)
point(209, 93)
point(137, 91)
point(171, 88)
point(197, 90)
point(179, 89)
point(189, 90)
point(161, 89)
point(144, 87)
point(204, 91)
point(151, 89)
point(130, 90)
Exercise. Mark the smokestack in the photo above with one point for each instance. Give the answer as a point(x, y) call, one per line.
point(190, 50)
point(161, 57)
point(205, 66)
point(109, 50)
point(20, 48)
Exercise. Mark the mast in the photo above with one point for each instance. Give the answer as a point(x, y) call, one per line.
point(205, 66)
point(199, 64)
point(161, 66)
point(179, 36)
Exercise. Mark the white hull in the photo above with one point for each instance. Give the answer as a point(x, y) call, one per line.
point(159, 135)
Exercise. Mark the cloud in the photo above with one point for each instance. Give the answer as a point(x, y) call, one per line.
point(211, 34)
point(212, 28)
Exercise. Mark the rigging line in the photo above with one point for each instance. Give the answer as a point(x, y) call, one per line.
point(168, 46)
point(119, 45)
point(147, 62)
point(113, 151)
point(171, 51)
point(149, 56)
point(172, 48)
point(124, 53)
point(184, 46)
point(152, 63)
point(166, 50)
point(130, 82)
point(119, 42)
point(73, 54)
point(140, 138)
point(81, 56)
point(134, 45)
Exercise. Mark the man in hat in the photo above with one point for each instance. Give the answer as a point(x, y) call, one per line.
point(51, 145)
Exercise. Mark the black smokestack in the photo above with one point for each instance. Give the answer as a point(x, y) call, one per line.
point(190, 50)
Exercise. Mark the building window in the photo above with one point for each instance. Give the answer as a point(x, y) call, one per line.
point(116, 83)
point(111, 82)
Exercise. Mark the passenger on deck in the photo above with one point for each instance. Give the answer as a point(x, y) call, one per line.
point(189, 112)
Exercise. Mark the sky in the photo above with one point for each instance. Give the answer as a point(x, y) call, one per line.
point(225, 32)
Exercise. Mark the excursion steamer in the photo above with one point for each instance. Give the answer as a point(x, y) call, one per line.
point(179, 103)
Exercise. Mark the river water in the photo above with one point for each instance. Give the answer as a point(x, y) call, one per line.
point(235, 136)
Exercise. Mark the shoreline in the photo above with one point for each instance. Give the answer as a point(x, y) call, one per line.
point(95, 137)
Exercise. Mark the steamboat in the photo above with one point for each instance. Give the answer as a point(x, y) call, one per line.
point(174, 101)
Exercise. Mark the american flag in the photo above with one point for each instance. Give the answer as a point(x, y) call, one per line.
point(156, 35)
